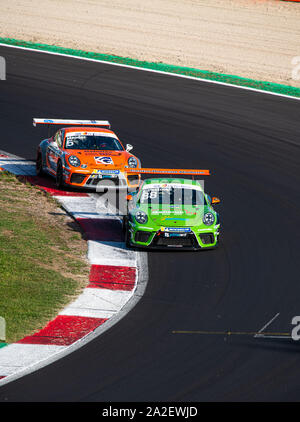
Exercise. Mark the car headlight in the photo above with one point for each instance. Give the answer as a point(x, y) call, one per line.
point(208, 219)
point(74, 161)
point(141, 217)
point(132, 162)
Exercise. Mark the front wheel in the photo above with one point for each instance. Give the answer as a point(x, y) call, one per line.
point(59, 181)
point(127, 236)
point(124, 224)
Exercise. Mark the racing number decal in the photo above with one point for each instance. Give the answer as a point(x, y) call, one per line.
point(149, 195)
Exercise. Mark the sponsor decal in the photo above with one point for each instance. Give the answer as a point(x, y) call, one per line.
point(176, 229)
point(165, 212)
point(173, 171)
point(168, 186)
point(83, 134)
point(104, 160)
point(103, 153)
point(176, 218)
point(110, 171)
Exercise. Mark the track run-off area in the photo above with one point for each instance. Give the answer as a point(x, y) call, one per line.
point(211, 325)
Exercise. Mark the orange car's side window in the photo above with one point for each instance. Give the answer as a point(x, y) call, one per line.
point(58, 139)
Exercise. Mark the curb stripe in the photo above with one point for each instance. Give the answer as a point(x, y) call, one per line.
point(112, 281)
point(91, 207)
point(101, 229)
point(16, 357)
point(63, 330)
point(97, 303)
point(115, 278)
point(49, 187)
point(110, 253)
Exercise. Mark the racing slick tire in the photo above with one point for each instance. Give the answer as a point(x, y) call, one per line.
point(126, 233)
point(39, 165)
point(59, 176)
point(124, 224)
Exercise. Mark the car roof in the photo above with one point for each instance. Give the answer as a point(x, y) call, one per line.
point(171, 180)
point(87, 129)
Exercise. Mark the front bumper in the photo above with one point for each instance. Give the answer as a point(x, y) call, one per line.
point(191, 240)
point(93, 180)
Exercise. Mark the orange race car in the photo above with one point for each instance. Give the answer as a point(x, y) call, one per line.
point(87, 154)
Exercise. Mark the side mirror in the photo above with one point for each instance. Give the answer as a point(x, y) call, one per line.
point(215, 200)
point(129, 147)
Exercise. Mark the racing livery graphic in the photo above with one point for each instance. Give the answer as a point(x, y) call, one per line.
point(171, 213)
point(87, 154)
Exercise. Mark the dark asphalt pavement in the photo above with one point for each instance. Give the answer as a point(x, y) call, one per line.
point(250, 142)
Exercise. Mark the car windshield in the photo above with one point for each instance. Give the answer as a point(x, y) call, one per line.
point(172, 196)
point(92, 141)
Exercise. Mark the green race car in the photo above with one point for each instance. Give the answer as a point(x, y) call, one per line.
point(171, 213)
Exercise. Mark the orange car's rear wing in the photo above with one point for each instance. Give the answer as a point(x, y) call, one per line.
point(188, 172)
point(103, 123)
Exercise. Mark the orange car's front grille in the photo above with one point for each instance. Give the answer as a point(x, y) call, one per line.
point(77, 178)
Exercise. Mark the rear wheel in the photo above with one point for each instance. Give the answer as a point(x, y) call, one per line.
point(39, 165)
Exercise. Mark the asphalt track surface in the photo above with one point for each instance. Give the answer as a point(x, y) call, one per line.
point(250, 142)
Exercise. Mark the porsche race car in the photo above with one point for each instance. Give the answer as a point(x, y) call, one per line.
point(86, 154)
point(172, 213)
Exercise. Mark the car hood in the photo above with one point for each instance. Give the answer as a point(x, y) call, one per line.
point(177, 216)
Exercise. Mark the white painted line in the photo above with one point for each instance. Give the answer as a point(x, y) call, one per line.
point(270, 336)
point(111, 253)
point(97, 303)
point(161, 72)
point(15, 357)
point(266, 325)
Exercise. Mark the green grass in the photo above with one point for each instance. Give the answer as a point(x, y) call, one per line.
point(42, 265)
